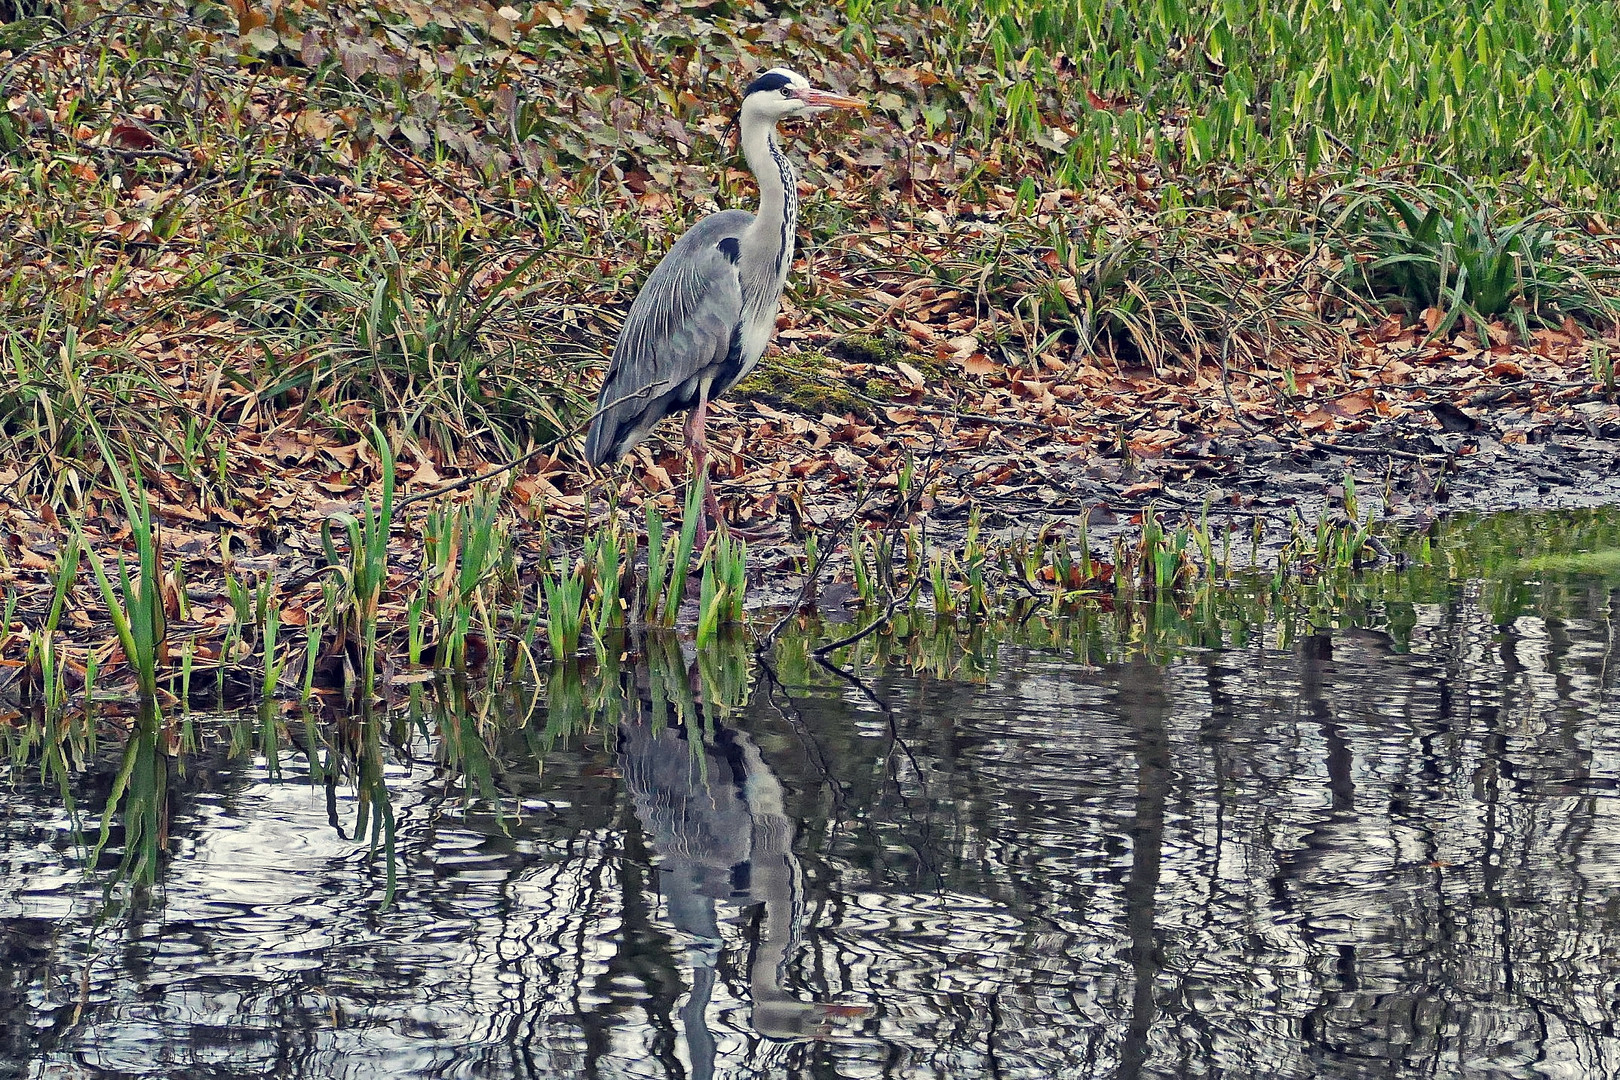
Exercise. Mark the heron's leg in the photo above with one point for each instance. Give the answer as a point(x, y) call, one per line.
point(697, 443)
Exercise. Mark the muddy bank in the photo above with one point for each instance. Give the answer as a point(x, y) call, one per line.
point(1019, 453)
point(1412, 469)
point(1406, 470)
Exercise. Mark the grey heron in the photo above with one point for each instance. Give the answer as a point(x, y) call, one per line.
point(709, 308)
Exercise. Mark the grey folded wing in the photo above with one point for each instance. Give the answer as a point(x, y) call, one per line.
point(684, 329)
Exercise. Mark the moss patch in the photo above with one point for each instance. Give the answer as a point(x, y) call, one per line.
point(869, 348)
point(888, 348)
point(809, 383)
point(813, 383)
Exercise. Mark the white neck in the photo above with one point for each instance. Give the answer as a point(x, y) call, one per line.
point(778, 186)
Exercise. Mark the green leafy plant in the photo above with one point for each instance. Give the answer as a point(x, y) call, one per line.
point(135, 603)
point(566, 591)
point(667, 565)
point(606, 551)
point(1445, 246)
point(363, 569)
point(721, 591)
point(467, 553)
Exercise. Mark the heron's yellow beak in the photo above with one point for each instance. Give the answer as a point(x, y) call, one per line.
point(822, 99)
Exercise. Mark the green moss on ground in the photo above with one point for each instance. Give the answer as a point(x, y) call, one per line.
point(809, 383)
point(870, 348)
point(889, 349)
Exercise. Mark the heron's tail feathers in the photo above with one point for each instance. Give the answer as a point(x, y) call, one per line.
point(615, 432)
point(597, 442)
point(627, 411)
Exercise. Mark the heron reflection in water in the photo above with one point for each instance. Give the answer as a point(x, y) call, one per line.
point(714, 813)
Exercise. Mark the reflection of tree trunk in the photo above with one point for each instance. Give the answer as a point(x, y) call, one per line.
point(649, 957)
point(643, 953)
point(1607, 674)
point(1488, 784)
point(1314, 651)
point(1223, 708)
point(1581, 824)
point(1325, 838)
point(1143, 706)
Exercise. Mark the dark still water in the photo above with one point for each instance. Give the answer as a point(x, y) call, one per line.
point(1385, 846)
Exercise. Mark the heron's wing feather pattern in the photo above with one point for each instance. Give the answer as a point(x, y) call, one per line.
point(681, 331)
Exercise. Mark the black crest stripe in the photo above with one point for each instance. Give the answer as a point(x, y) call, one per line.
point(771, 80)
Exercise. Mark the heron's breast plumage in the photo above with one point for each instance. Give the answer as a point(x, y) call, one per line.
point(765, 254)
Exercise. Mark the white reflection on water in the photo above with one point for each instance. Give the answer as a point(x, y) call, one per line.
point(1334, 859)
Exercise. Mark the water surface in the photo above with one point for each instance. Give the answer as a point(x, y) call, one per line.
point(1378, 841)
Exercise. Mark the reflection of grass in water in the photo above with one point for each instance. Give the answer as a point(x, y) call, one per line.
point(1233, 608)
point(475, 723)
point(137, 807)
point(1605, 562)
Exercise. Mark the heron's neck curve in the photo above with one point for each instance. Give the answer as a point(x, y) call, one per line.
point(772, 230)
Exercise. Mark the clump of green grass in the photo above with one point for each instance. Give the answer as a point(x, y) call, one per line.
point(1185, 285)
point(57, 389)
point(362, 572)
point(722, 589)
point(610, 553)
point(567, 590)
point(135, 603)
point(1051, 567)
point(467, 572)
point(43, 678)
point(667, 563)
point(1446, 246)
point(1163, 559)
point(441, 351)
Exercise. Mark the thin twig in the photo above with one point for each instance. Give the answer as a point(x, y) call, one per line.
point(81, 30)
point(525, 458)
point(1373, 451)
point(131, 153)
point(821, 651)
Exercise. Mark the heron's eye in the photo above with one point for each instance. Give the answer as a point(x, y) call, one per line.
point(787, 93)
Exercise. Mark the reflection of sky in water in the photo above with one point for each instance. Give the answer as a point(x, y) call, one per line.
point(1332, 859)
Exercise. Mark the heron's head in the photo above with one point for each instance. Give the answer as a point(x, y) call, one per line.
point(780, 93)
